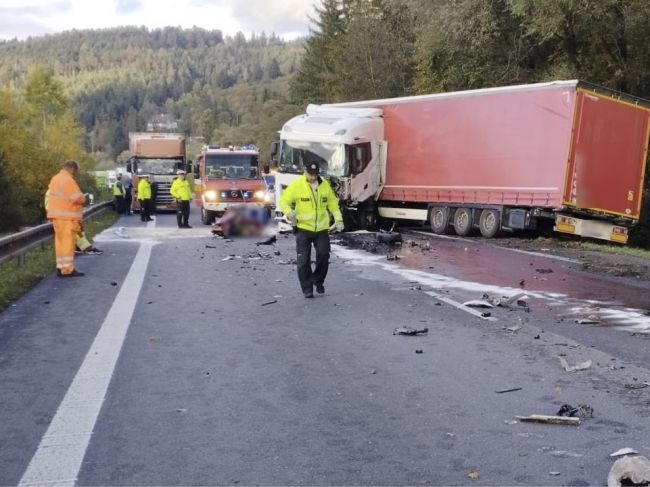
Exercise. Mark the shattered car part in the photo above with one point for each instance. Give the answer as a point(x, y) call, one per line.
point(635, 469)
point(407, 330)
point(572, 368)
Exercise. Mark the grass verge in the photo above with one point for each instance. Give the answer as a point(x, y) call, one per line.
point(16, 277)
point(617, 249)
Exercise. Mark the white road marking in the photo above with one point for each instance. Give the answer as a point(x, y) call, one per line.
point(62, 449)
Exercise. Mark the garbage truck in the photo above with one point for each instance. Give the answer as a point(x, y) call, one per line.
point(566, 153)
point(159, 155)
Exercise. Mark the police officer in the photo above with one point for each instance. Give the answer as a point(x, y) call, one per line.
point(182, 193)
point(308, 203)
point(118, 195)
point(144, 198)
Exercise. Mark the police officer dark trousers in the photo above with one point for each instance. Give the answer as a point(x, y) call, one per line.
point(321, 243)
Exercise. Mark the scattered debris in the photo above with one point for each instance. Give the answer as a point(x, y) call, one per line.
point(513, 329)
point(623, 451)
point(635, 469)
point(392, 257)
point(113, 283)
point(120, 233)
point(565, 454)
point(473, 474)
point(486, 314)
point(544, 271)
point(418, 350)
point(540, 418)
point(286, 262)
point(389, 237)
point(572, 368)
point(210, 246)
point(555, 474)
point(503, 391)
point(269, 241)
point(269, 302)
point(536, 337)
point(567, 411)
point(407, 330)
point(478, 303)
point(641, 385)
point(154, 340)
point(511, 421)
point(181, 410)
point(373, 371)
point(230, 257)
point(589, 320)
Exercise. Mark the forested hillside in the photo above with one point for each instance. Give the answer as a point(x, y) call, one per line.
point(116, 79)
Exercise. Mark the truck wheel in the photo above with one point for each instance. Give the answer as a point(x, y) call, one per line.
point(207, 217)
point(463, 221)
point(489, 223)
point(439, 220)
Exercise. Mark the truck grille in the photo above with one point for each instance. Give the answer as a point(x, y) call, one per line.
point(236, 195)
point(161, 190)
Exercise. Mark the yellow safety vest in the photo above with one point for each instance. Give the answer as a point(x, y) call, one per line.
point(181, 190)
point(144, 189)
point(312, 209)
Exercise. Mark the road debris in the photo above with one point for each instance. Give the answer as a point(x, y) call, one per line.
point(635, 469)
point(389, 237)
point(113, 283)
point(269, 241)
point(555, 474)
point(624, 451)
point(392, 257)
point(572, 368)
point(286, 262)
point(589, 320)
point(269, 302)
point(120, 233)
point(473, 474)
point(512, 329)
point(478, 303)
point(541, 418)
point(513, 389)
point(419, 350)
point(407, 330)
point(544, 271)
point(210, 246)
point(641, 385)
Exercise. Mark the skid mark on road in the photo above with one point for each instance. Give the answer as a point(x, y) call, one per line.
point(623, 318)
point(61, 451)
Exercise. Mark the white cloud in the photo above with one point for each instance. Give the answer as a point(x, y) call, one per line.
point(287, 18)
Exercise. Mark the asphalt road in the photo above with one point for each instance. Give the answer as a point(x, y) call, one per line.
point(226, 375)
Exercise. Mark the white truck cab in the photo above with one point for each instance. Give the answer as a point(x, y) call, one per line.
point(347, 143)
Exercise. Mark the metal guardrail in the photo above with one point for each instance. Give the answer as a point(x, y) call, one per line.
point(15, 245)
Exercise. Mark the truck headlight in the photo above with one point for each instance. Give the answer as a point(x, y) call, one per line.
point(259, 195)
point(210, 195)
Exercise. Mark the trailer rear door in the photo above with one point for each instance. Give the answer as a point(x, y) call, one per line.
point(608, 155)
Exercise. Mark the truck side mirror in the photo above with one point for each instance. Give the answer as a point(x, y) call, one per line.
point(128, 167)
point(274, 148)
point(267, 169)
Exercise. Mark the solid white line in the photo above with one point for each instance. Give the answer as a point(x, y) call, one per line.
point(59, 463)
point(460, 306)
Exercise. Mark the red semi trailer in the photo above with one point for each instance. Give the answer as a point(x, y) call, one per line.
point(493, 159)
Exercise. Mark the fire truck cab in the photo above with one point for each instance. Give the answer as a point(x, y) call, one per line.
point(228, 176)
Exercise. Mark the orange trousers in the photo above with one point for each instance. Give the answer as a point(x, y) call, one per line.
point(65, 236)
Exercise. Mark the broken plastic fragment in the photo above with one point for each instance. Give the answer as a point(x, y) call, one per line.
point(623, 451)
point(572, 368)
point(407, 330)
point(636, 469)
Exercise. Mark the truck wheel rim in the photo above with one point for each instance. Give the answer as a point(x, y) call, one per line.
point(463, 218)
point(438, 219)
point(490, 221)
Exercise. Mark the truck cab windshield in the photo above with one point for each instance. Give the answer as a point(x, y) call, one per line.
point(235, 166)
point(295, 155)
point(159, 166)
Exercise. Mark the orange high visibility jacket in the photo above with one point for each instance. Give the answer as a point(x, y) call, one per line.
point(65, 198)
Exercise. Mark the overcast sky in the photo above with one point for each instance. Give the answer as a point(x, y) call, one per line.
point(287, 18)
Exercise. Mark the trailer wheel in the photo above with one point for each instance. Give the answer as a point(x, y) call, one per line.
point(489, 223)
point(207, 217)
point(439, 220)
point(463, 221)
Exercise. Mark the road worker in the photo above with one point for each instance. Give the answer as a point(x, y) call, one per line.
point(182, 193)
point(118, 195)
point(308, 203)
point(65, 209)
point(144, 197)
point(82, 244)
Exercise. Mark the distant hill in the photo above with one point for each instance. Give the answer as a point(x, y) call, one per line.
point(119, 78)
